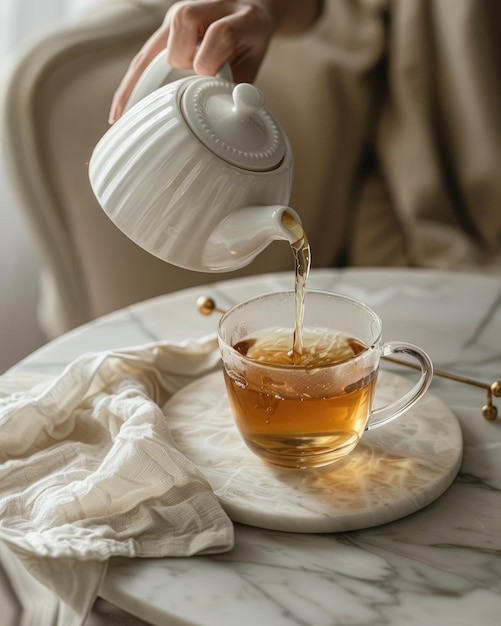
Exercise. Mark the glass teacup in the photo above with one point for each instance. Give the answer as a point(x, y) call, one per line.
point(312, 409)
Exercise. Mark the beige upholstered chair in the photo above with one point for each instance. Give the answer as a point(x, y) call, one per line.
point(55, 109)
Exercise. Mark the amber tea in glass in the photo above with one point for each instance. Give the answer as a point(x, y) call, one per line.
point(312, 410)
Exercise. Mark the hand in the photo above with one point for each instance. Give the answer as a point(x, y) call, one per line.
point(203, 35)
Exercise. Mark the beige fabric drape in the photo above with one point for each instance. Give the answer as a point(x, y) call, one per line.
point(405, 101)
point(90, 471)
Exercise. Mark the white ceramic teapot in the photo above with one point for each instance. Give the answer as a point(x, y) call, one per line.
point(197, 172)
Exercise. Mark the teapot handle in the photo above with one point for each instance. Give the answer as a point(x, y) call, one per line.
point(156, 74)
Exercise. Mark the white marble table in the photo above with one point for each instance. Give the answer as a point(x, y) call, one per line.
point(440, 565)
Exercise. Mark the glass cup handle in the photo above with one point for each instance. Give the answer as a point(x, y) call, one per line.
point(390, 411)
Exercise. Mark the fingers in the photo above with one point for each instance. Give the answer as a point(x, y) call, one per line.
point(206, 35)
point(187, 24)
point(226, 42)
point(203, 35)
point(180, 34)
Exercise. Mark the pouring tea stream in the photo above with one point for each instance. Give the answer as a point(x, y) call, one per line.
point(197, 172)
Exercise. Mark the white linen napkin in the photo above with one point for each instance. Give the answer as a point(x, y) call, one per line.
point(88, 469)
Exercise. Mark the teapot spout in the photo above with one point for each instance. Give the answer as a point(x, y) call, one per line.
point(246, 232)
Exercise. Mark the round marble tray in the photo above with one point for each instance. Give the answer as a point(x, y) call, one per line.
point(395, 470)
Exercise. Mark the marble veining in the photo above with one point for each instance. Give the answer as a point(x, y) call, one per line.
point(395, 470)
point(439, 566)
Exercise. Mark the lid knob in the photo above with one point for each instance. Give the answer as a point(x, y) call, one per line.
point(247, 100)
point(233, 122)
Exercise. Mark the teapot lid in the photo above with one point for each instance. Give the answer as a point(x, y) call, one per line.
point(232, 121)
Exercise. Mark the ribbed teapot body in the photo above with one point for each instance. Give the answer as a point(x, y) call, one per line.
point(168, 192)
